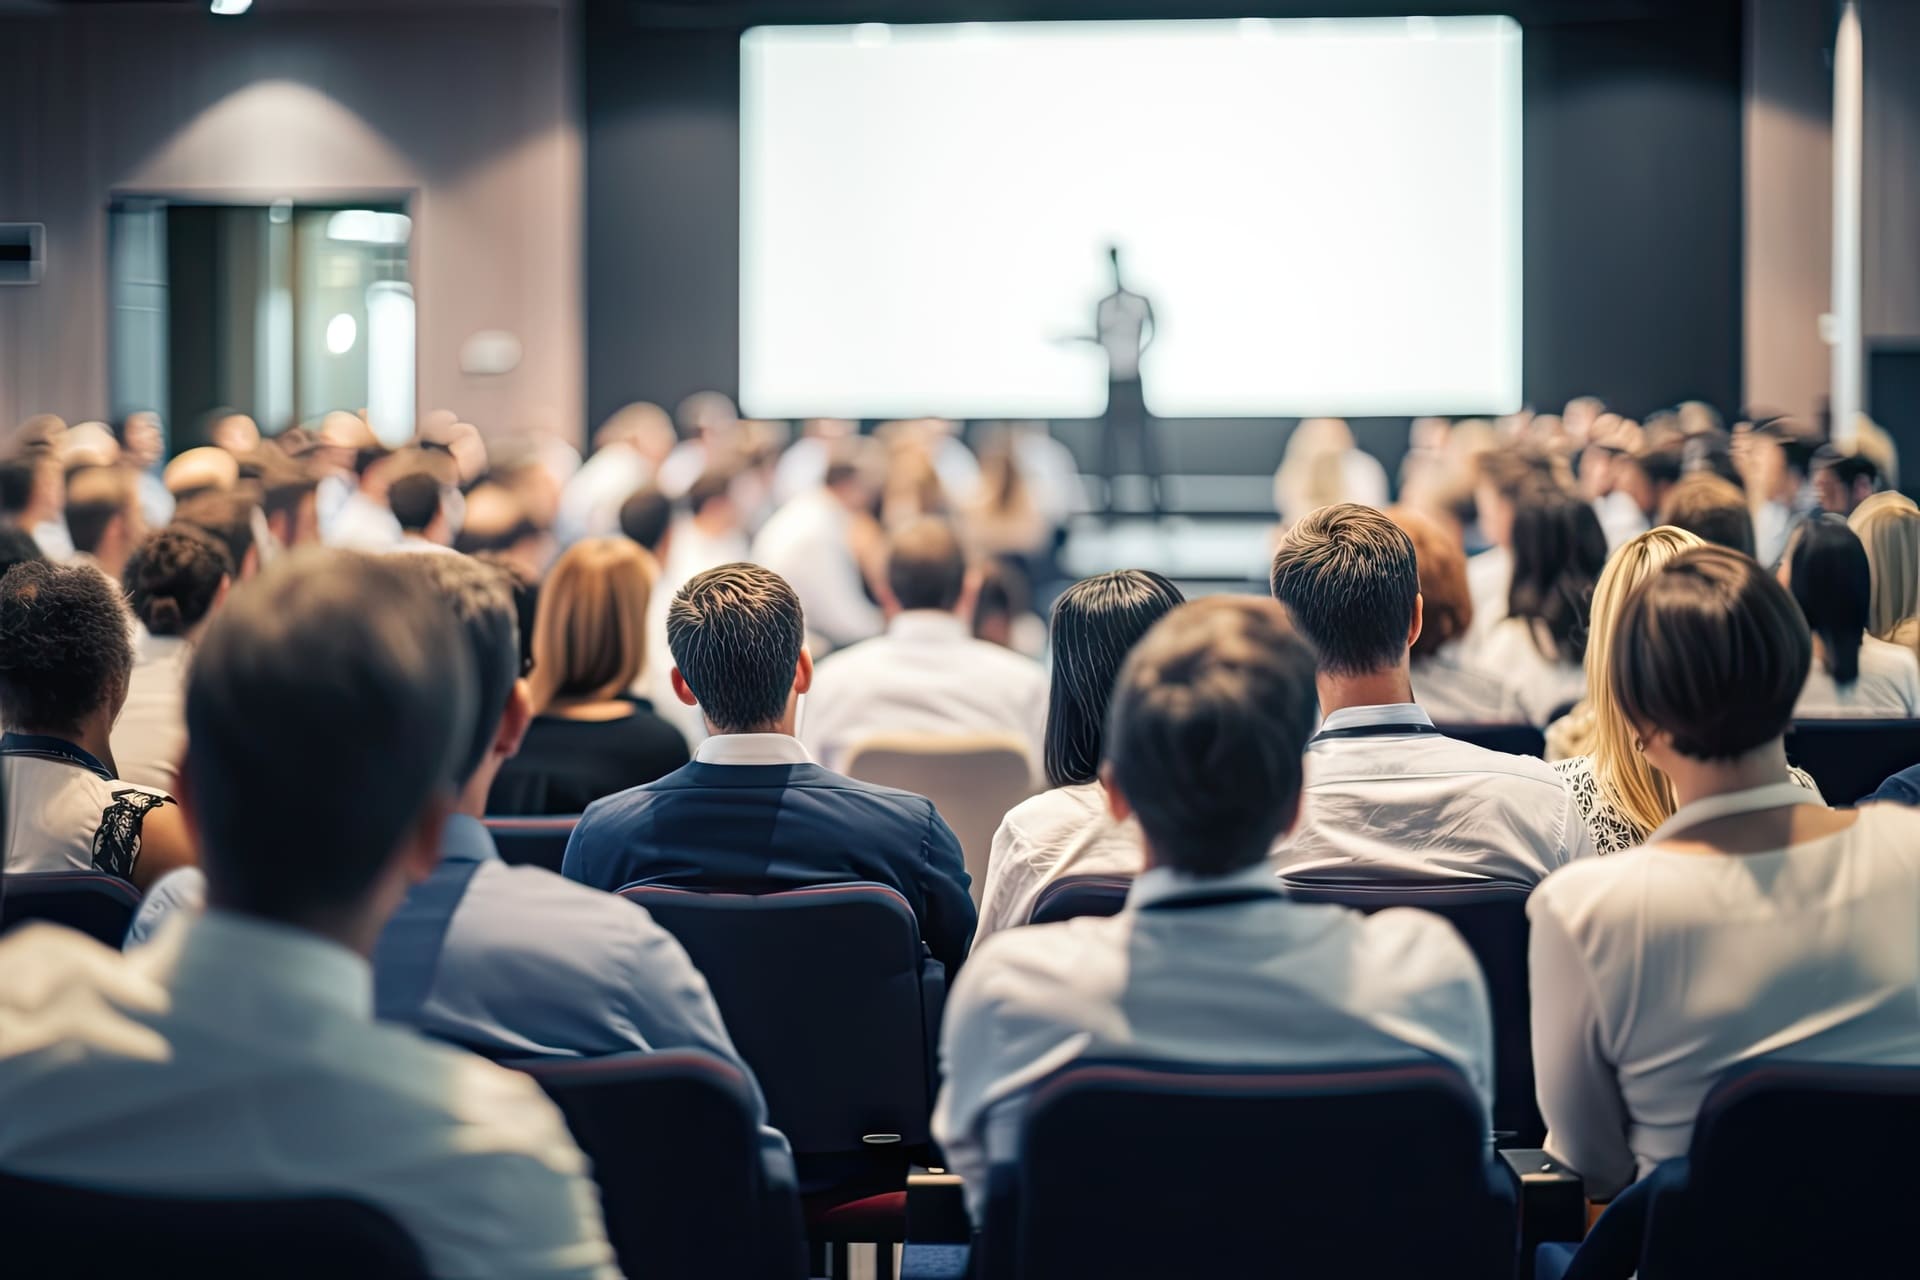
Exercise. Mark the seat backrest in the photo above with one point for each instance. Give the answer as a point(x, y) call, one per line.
point(1851, 758)
point(54, 1229)
point(1134, 1169)
point(532, 842)
point(973, 780)
point(98, 905)
point(1514, 739)
point(830, 997)
point(1796, 1169)
point(1072, 896)
point(676, 1153)
point(1492, 919)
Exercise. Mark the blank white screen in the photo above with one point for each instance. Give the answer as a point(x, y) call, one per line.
point(1324, 213)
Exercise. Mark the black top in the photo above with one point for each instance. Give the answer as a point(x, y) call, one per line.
point(565, 765)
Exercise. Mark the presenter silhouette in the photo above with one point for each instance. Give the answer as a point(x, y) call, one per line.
point(1124, 328)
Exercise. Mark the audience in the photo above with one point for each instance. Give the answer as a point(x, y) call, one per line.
point(927, 676)
point(143, 443)
point(1445, 683)
point(1538, 648)
point(1503, 477)
point(1387, 796)
point(201, 470)
point(1069, 830)
point(1890, 532)
point(175, 581)
point(236, 1052)
point(1753, 921)
point(627, 452)
point(1774, 462)
point(1853, 673)
point(590, 736)
point(1843, 481)
point(809, 542)
point(1208, 961)
point(103, 517)
point(420, 509)
point(65, 657)
point(646, 518)
point(231, 517)
point(753, 813)
point(1711, 508)
point(33, 494)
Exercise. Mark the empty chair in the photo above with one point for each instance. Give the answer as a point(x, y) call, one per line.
point(972, 779)
point(1514, 739)
point(532, 842)
point(1172, 1169)
point(100, 906)
point(51, 1229)
point(1492, 918)
point(1850, 758)
point(679, 1161)
point(1073, 896)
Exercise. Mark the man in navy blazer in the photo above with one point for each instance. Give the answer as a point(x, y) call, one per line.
point(752, 812)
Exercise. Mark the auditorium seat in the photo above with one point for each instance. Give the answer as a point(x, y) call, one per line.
point(1514, 739)
point(1851, 758)
point(1795, 1170)
point(1492, 918)
point(678, 1159)
point(1166, 1169)
point(1072, 896)
point(98, 905)
point(973, 780)
point(52, 1229)
point(532, 842)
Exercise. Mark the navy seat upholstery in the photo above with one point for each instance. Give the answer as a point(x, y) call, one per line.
point(52, 1229)
point(678, 1159)
point(98, 905)
point(1514, 739)
point(1072, 896)
point(532, 842)
point(1851, 758)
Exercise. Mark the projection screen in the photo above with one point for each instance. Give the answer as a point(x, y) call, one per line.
point(1323, 214)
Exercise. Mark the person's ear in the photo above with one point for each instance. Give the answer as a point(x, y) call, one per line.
point(1419, 620)
point(969, 591)
point(1118, 807)
point(250, 563)
point(681, 689)
point(803, 672)
point(514, 722)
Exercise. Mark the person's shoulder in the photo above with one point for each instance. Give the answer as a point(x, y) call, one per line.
point(1026, 965)
point(856, 793)
point(1470, 758)
point(1588, 891)
point(1890, 825)
point(1016, 665)
point(1056, 807)
point(1407, 938)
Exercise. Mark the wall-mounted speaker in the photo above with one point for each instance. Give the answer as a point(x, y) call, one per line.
point(22, 252)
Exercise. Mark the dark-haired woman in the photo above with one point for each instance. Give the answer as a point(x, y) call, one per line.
point(1539, 649)
point(1854, 674)
point(1066, 831)
point(1754, 921)
point(174, 581)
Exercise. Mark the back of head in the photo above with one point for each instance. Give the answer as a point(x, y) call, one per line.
point(65, 649)
point(1832, 583)
point(589, 634)
point(525, 588)
point(1558, 552)
point(228, 516)
point(714, 485)
point(1711, 508)
point(646, 516)
point(926, 565)
point(1210, 720)
point(736, 633)
point(334, 683)
point(1096, 623)
point(1890, 533)
point(95, 497)
point(1711, 651)
point(1446, 603)
point(495, 519)
point(173, 578)
point(1348, 576)
point(480, 599)
point(415, 500)
point(285, 481)
point(202, 470)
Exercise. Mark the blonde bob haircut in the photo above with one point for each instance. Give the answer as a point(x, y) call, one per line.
point(590, 628)
point(1890, 531)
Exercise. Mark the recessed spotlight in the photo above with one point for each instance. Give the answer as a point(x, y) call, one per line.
point(227, 8)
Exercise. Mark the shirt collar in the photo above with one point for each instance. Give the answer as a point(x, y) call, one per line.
point(246, 957)
point(921, 625)
point(466, 839)
point(1164, 884)
point(752, 749)
point(1407, 713)
point(44, 747)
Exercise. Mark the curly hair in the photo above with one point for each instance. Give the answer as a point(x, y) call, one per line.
point(65, 646)
point(173, 578)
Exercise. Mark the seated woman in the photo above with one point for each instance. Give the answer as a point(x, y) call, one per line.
point(1449, 688)
point(175, 580)
point(1067, 831)
point(1890, 531)
point(1854, 675)
point(1753, 921)
point(65, 656)
point(590, 737)
point(1538, 648)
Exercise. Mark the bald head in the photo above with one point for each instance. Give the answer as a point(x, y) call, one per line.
point(926, 566)
point(202, 470)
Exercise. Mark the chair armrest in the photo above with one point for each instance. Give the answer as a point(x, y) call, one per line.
point(1553, 1202)
point(937, 1208)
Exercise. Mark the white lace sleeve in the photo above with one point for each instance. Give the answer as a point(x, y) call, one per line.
point(1612, 831)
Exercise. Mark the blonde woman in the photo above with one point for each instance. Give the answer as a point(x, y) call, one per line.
point(1620, 795)
point(589, 736)
point(1889, 526)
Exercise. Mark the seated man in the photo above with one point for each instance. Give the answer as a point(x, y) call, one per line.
point(1387, 796)
point(752, 812)
point(1208, 961)
point(927, 674)
point(329, 709)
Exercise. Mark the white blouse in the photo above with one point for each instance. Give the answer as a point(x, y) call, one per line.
point(150, 737)
point(1541, 686)
point(67, 812)
point(1063, 832)
point(1613, 830)
point(1889, 685)
point(1655, 971)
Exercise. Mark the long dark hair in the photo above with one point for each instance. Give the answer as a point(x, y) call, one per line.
point(1559, 550)
point(1095, 623)
point(1832, 582)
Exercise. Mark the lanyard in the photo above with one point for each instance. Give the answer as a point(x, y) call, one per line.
point(1218, 898)
point(1399, 730)
point(1777, 795)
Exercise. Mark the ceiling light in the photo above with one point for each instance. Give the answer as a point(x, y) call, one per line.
point(227, 8)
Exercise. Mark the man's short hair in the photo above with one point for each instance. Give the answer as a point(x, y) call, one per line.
point(285, 480)
point(736, 633)
point(1349, 577)
point(327, 703)
point(415, 499)
point(1710, 508)
point(1209, 723)
point(18, 476)
point(224, 513)
point(926, 565)
point(1850, 468)
point(646, 516)
point(95, 495)
point(481, 601)
point(65, 646)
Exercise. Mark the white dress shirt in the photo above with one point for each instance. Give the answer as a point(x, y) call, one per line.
point(1389, 798)
point(1063, 832)
point(1621, 518)
point(235, 1056)
point(926, 675)
point(1772, 524)
point(590, 504)
point(1489, 581)
point(150, 737)
point(1655, 971)
point(807, 543)
point(1889, 686)
point(1541, 686)
point(1453, 690)
point(752, 749)
point(53, 539)
point(1258, 981)
point(364, 525)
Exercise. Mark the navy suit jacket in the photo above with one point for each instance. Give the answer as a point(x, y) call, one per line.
point(762, 828)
